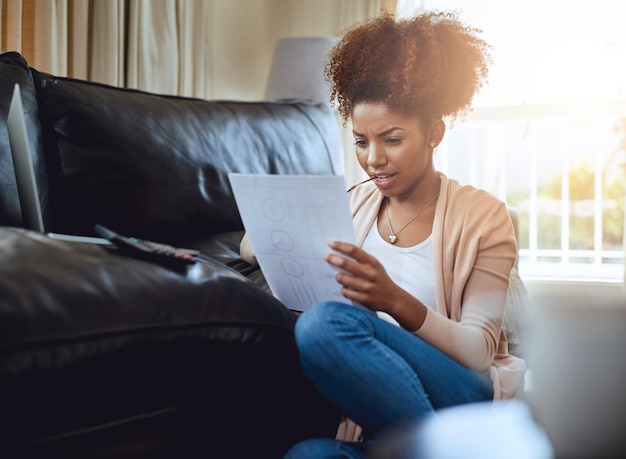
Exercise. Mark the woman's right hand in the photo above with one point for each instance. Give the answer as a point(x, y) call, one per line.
point(364, 280)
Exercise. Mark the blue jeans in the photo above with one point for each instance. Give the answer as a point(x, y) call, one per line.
point(381, 376)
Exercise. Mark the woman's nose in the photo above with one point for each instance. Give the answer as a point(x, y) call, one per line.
point(376, 156)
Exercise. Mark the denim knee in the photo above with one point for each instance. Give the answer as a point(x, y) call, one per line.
point(315, 332)
point(315, 324)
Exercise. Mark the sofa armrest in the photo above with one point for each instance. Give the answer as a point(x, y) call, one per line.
point(93, 345)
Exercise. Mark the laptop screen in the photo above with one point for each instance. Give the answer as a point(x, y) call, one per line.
point(23, 164)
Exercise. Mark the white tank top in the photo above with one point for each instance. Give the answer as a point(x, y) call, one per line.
point(409, 267)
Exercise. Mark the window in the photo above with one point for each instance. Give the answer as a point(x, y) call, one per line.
point(548, 133)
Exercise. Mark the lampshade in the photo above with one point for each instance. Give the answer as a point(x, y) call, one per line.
point(297, 70)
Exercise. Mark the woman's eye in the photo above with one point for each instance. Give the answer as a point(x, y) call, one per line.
point(360, 143)
point(393, 140)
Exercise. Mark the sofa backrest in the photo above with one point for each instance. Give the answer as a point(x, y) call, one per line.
point(157, 166)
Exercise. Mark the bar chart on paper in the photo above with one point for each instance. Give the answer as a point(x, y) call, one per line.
point(289, 220)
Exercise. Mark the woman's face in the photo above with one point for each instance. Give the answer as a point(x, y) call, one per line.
point(395, 150)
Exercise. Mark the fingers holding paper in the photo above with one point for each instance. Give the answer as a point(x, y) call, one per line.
point(362, 277)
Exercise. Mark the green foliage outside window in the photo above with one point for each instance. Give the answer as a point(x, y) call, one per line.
point(581, 190)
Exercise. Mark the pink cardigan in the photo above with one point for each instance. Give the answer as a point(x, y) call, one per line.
point(474, 251)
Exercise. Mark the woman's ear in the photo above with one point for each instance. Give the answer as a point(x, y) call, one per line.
point(435, 132)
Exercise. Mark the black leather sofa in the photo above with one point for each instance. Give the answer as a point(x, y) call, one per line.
point(104, 355)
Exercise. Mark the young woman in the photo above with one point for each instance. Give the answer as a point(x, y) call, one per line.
point(433, 257)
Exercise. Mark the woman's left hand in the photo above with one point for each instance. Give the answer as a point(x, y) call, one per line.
point(363, 278)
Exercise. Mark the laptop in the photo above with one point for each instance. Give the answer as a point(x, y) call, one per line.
point(25, 174)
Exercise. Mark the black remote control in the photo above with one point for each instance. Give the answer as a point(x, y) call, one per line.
point(155, 252)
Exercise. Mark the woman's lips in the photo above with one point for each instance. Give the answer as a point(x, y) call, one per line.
point(383, 181)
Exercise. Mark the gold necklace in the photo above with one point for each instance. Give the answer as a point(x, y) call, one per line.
point(393, 237)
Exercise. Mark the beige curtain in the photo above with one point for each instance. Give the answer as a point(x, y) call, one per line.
point(103, 58)
point(76, 38)
point(18, 27)
point(168, 43)
point(158, 46)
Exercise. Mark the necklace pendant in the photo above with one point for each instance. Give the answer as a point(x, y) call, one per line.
point(393, 238)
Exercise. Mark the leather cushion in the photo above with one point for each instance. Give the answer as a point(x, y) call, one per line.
point(224, 248)
point(56, 293)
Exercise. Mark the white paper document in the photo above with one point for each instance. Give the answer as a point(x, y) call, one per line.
point(290, 219)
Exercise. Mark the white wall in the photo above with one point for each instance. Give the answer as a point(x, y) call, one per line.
point(243, 35)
